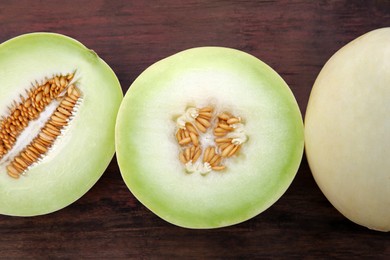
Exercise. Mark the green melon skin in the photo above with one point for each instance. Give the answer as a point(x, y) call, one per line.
point(347, 130)
point(230, 80)
point(81, 155)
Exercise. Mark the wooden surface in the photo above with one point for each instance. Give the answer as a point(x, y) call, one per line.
point(294, 37)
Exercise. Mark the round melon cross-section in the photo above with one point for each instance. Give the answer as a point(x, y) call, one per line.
point(197, 81)
point(347, 130)
point(58, 106)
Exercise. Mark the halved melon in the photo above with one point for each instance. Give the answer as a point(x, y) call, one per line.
point(347, 130)
point(58, 106)
point(209, 137)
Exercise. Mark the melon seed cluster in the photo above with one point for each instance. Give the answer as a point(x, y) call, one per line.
point(227, 139)
point(29, 109)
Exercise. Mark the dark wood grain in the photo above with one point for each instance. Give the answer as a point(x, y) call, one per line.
point(294, 37)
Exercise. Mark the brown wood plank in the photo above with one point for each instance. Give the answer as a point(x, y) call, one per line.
point(294, 37)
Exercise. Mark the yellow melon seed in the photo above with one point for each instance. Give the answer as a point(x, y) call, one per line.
point(38, 97)
point(227, 150)
point(46, 137)
point(185, 141)
point(187, 154)
point(206, 114)
point(57, 119)
point(65, 103)
point(21, 162)
point(198, 152)
point(218, 168)
point(57, 81)
point(64, 111)
point(191, 128)
point(192, 151)
point(233, 151)
point(60, 115)
point(70, 100)
point(39, 147)
point(206, 154)
point(182, 135)
point(214, 159)
point(51, 129)
point(233, 120)
point(58, 124)
point(204, 122)
point(218, 161)
point(182, 158)
point(226, 127)
point(75, 93)
point(178, 137)
point(27, 103)
point(194, 139)
point(186, 133)
point(26, 158)
point(206, 109)
point(210, 154)
point(219, 130)
point(224, 116)
point(12, 171)
point(220, 134)
point(223, 140)
point(46, 89)
point(62, 82)
point(30, 152)
point(200, 126)
point(17, 166)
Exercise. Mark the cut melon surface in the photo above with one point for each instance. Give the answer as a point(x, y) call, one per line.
point(347, 130)
point(83, 150)
point(227, 80)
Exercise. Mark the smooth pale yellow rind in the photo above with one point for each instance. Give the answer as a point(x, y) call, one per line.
point(347, 130)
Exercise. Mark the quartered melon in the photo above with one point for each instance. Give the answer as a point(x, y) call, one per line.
point(209, 137)
point(58, 106)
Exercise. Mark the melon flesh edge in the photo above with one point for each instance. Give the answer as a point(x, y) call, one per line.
point(230, 81)
point(347, 130)
point(82, 154)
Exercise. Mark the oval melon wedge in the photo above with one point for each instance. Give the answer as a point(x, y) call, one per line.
point(347, 130)
point(209, 137)
point(58, 106)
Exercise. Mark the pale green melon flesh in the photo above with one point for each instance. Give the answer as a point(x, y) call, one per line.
point(80, 156)
point(347, 130)
point(229, 80)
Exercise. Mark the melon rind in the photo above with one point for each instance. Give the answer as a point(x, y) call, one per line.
point(347, 130)
point(230, 80)
point(81, 155)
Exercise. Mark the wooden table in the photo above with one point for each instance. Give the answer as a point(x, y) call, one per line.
point(294, 37)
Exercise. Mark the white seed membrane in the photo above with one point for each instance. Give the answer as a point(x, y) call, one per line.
point(238, 134)
point(202, 168)
point(189, 116)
